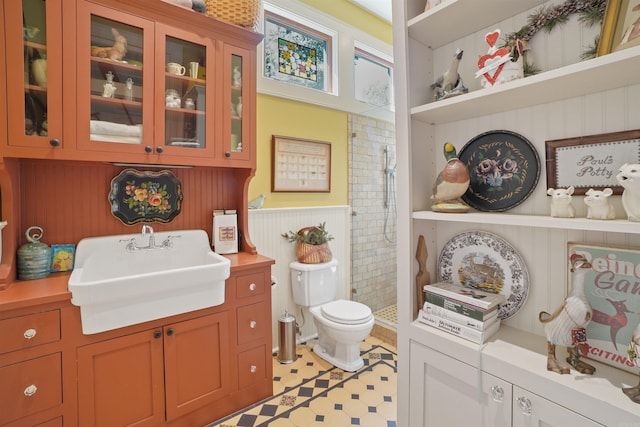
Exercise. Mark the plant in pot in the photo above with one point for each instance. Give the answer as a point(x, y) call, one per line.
point(311, 244)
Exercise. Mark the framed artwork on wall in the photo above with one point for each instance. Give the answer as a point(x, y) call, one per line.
point(300, 165)
point(591, 161)
point(621, 26)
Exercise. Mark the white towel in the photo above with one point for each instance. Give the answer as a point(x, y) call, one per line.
point(100, 127)
point(115, 138)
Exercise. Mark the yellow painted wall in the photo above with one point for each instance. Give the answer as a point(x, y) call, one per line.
point(279, 116)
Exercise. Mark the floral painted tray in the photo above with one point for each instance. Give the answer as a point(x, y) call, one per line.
point(482, 260)
point(504, 168)
point(145, 196)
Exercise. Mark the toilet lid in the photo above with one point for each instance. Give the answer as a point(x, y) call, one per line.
point(346, 312)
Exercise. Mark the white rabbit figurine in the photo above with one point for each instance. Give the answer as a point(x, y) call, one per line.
point(629, 178)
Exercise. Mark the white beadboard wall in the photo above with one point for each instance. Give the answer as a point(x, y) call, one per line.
point(266, 227)
point(543, 250)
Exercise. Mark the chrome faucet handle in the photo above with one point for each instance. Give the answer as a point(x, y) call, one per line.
point(131, 244)
point(168, 242)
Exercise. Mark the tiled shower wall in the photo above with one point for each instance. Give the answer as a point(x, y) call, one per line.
point(373, 247)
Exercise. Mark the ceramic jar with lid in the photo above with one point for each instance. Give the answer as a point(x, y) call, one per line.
point(34, 257)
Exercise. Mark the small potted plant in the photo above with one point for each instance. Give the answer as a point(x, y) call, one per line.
point(311, 244)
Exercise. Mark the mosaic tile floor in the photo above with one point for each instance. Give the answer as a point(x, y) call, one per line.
point(387, 315)
point(311, 392)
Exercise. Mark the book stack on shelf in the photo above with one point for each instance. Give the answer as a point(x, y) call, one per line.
point(465, 312)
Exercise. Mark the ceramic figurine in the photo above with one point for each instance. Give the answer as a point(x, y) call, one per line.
point(115, 52)
point(598, 204)
point(561, 205)
point(109, 86)
point(567, 325)
point(451, 184)
point(237, 76)
point(128, 91)
point(634, 357)
point(629, 178)
point(450, 82)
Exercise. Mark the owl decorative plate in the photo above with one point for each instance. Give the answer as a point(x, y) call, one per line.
point(484, 261)
point(504, 168)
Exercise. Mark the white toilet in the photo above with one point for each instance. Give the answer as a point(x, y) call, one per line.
point(341, 324)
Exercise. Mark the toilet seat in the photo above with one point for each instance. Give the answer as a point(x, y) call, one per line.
point(346, 312)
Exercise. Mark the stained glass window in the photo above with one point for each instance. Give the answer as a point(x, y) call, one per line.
point(296, 53)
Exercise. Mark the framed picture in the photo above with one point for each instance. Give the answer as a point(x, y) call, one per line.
point(612, 290)
point(591, 161)
point(621, 26)
point(62, 257)
point(300, 165)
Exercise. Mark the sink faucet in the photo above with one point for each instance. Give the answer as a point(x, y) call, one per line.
point(152, 240)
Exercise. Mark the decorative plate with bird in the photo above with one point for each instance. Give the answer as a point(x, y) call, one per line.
point(504, 169)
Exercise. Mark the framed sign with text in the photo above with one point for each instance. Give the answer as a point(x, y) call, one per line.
point(590, 161)
point(300, 165)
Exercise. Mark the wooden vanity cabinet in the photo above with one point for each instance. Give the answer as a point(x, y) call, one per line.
point(137, 378)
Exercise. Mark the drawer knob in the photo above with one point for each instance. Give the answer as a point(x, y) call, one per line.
point(29, 333)
point(525, 405)
point(253, 324)
point(31, 390)
point(497, 393)
point(253, 369)
point(252, 287)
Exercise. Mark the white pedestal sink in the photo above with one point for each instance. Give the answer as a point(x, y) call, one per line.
point(116, 287)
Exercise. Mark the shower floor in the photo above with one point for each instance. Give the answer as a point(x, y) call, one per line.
point(386, 323)
point(387, 316)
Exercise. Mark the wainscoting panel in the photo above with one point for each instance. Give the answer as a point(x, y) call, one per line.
point(266, 227)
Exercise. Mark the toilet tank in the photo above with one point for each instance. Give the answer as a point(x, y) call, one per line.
point(314, 284)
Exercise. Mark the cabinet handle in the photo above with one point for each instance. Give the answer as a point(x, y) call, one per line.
point(253, 369)
point(170, 331)
point(29, 333)
point(253, 324)
point(157, 334)
point(54, 142)
point(31, 390)
point(227, 154)
point(525, 405)
point(252, 287)
point(160, 149)
point(497, 393)
point(148, 149)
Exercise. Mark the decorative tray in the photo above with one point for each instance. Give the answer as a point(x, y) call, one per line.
point(504, 168)
point(485, 261)
point(145, 196)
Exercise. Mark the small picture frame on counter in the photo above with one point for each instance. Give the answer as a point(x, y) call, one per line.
point(62, 257)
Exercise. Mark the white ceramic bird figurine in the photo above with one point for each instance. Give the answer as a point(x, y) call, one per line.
point(451, 183)
point(634, 357)
point(450, 83)
point(257, 202)
point(567, 325)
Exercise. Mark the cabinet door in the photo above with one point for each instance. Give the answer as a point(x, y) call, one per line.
point(448, 393)
point(185, 65)
point(115, 84)
point(121, 381)
point(530, 410)
point(196, 363)
point(33, 30)
point(238, 105)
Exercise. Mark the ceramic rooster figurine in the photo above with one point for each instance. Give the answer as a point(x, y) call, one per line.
point(450, 83)
point(634, 357)
point(451, 184)
point(115, 52)
point(567, 325)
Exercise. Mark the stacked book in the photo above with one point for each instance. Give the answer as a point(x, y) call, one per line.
point(468, 313)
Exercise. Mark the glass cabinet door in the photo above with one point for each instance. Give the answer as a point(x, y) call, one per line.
point(236, 128)
point(186, 69)
point(115, 81)
point(34, 71)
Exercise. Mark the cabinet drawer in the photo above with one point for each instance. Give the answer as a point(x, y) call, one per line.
point(252, 322)
point(29, 331)
point(250, 285)
point(30, 386)
point(252, 366)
